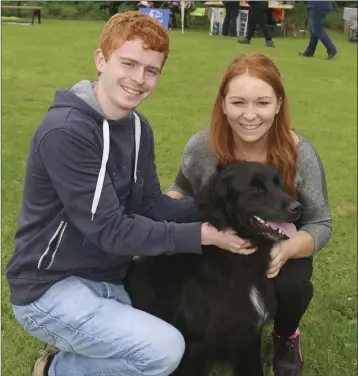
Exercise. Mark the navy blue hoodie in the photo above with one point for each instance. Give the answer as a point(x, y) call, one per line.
point(90, 201)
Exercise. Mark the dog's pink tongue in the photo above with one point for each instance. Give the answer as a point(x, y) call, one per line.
point(288, 228)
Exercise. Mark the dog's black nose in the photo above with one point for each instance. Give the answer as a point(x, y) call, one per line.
point(295, 207)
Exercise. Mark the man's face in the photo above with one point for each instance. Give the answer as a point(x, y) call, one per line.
point(127, 77)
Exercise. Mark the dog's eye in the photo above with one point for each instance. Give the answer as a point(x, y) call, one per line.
point(256, 189)
point(276, 180)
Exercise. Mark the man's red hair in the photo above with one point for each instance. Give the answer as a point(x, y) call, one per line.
point(132, 25)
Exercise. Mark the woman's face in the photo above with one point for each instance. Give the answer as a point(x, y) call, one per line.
point(250, 106)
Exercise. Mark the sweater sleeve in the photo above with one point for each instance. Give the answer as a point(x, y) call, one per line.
point(312, 194)
point(72, 164)
point(197, 165)
point(182, 184)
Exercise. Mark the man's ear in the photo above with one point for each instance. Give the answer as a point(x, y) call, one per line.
point(99, 60)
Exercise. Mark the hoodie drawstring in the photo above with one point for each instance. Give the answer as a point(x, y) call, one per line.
point(105, 154)
point(137, 134)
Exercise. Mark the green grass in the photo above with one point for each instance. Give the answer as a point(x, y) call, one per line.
point(323, 98)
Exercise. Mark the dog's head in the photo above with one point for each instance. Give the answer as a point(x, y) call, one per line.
point(249, 197)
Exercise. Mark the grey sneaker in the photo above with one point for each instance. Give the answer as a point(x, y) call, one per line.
point(269, 43)
point(304, 54)
point(43, 360)
point(332, 56)
point(244, 41)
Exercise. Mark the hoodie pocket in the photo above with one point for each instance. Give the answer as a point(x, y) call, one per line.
point(48, 257)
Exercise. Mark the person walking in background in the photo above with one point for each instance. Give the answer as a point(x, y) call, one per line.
point(257, 15)
point(318, 11)
point(230, 20)
point(174, 7)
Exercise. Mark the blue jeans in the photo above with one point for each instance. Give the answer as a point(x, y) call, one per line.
point(99, 333)
point(230, 20)
point(316, 22)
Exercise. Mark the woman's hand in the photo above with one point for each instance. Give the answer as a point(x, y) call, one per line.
point(278, 257)
point(227, 240)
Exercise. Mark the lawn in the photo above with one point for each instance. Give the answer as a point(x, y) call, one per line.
point(323, 98)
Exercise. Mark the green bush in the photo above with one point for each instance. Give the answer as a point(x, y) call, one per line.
point(86, 10)
point(334, 20)
point(63, 10)
point(298, 14)
point(73, 10)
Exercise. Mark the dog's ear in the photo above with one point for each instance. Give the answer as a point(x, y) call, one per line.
point(221, 167)
point(212, 198)
point(215, 189)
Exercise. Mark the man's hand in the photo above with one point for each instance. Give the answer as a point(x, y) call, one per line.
point(227, 240)
point(278, 259)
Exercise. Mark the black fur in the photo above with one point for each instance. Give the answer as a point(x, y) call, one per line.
point(207, 296)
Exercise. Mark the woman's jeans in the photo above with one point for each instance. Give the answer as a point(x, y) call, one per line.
point(99, 333)
point(316, 20)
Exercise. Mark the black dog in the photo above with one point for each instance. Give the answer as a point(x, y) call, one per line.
point(219, 300)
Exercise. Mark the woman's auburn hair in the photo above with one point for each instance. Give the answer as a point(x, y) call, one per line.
point(282, 153)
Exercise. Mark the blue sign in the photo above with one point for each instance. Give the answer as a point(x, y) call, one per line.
point(161, 15)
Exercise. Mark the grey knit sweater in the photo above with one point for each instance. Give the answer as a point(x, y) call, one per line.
point(198, 164)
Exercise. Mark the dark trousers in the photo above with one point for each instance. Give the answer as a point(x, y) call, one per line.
point(316, 22)
point(294, 292)
point(257, 15)
point(175, 9)
point(230, 20)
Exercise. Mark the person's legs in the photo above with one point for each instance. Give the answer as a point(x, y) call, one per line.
point(327, 42)
point(251, 24)
point(226, 22)
point(187, 18)
point(174, 20)
point(316, 29)
point(99, 333)
point(234, 12)
point(263, 26)
point(294, 292)
point(176, 11)
point(325, 39)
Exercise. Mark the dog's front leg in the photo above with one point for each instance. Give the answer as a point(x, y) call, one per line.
point(248, 361)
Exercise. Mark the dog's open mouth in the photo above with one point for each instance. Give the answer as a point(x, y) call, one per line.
point(281, 230)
